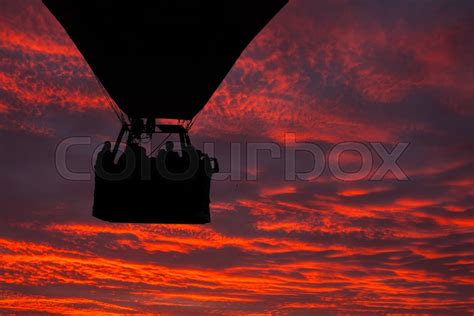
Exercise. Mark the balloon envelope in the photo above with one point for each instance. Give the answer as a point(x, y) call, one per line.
point(162, 58)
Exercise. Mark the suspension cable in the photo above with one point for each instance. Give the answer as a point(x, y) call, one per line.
point(191, 123)
point(120, 115)
point(161, 144)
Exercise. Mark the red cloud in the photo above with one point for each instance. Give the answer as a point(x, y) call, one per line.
point(329, 72)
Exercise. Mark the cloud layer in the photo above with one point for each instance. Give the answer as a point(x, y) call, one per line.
point(327, 71)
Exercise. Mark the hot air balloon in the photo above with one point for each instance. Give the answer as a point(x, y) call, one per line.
point(160, 59)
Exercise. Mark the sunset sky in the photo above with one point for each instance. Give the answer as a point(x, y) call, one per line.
point(327, 71)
